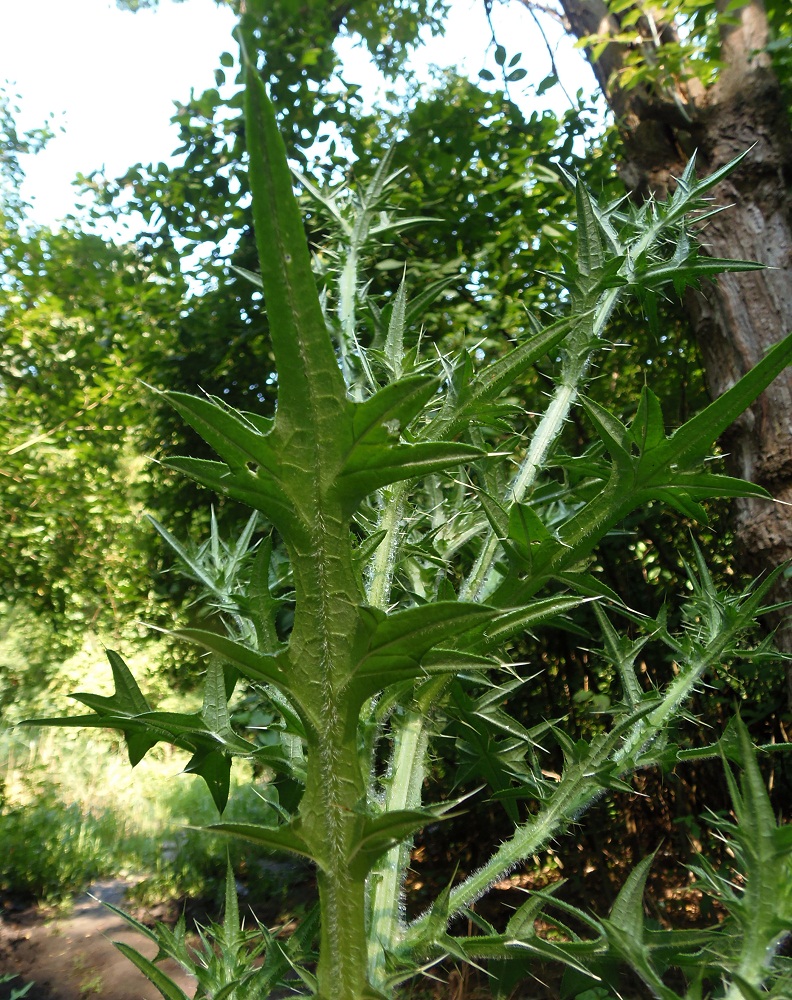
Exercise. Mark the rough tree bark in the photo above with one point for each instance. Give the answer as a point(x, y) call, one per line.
point(737, 318)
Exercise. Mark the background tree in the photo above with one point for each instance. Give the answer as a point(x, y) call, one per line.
point(82, 322)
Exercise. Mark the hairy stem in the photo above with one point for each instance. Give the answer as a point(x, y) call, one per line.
point(383, 563)
point(479, 582)
point(410, 739)
point(579, 788)
point(408, 768)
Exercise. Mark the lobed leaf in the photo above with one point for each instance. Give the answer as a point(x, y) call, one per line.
point(627, 911)
point(243, 485)
point(399, 646)
point(590, 252)
point(693, 440)
point(370, 468)
point(228, 432)
point(381, 833)
point(506, 624)
point(498, 378)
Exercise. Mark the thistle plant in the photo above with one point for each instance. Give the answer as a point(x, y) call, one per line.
point(415, 557)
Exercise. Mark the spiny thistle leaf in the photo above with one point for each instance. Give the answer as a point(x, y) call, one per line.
point(280, 838)
point(165, 985)
point(308, 371)
point(262, 667)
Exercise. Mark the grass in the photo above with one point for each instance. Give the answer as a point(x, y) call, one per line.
point(91, 983)
point(72, 811)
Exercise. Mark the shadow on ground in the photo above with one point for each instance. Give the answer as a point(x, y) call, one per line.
point(73, 958)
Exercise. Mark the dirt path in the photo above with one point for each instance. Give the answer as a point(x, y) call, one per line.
point(73, 958)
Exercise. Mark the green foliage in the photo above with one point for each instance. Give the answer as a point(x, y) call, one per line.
point(663, 47)
point(51, 850)
point(12, 146)
point(40, 666)
point(56, 837)
point(71, 474)
point(780, 43)
point(84, 321)
point(416, 558)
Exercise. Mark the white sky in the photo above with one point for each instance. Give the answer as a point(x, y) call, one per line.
point(111, 77)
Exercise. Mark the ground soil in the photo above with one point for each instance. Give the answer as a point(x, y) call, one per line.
point(71, 956)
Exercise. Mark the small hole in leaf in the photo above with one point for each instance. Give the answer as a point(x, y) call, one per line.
point(252, 467)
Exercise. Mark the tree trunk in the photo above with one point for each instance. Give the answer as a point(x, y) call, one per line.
point(739, 316)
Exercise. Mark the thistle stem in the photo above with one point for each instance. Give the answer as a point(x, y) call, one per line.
point(383, 564)
point(408, 765)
